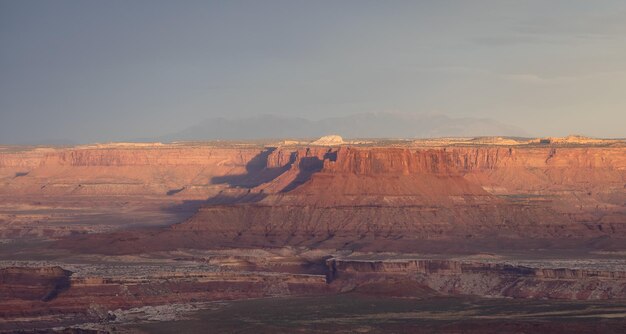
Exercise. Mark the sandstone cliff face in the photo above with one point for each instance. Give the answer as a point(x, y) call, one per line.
point(55, 192)
point(501, 170)
point(40, 284)
point(338, 267)
point(120, 171)
point(357, 196)
point(598, 173)
point(50, 294)
point(393, 161)
point(128, 156)
point(482, 279)
point(467, 159)
point(351, 196)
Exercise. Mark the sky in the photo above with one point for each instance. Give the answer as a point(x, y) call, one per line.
point(89, 71)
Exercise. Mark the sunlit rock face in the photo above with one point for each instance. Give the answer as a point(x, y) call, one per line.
point(381, 198)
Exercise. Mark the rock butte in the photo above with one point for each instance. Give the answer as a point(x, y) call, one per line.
point(258, 219)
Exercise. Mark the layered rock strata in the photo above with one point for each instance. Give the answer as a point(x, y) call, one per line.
point(391, 198)
point(453, 277)
point(399, 198)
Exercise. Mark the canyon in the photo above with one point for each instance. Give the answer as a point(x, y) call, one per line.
point(90, 231)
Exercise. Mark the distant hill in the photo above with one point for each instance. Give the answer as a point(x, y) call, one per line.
point(366, 125)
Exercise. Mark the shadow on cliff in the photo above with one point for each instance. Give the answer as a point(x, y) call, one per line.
point(187, 208)
point(256, 174)
point(307, 167)
point(59, 284)
point(257, 171)
point(227, 199)
point(183, 210)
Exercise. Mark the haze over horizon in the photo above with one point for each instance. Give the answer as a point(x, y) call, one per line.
point(84, 71)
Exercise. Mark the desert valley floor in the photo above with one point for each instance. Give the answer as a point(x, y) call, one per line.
point(483, 235)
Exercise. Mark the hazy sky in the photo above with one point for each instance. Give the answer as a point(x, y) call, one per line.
point(113, 70)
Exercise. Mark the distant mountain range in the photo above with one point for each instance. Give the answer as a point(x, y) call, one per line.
point(366, 125)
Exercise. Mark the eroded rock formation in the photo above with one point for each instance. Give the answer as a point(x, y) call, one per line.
point(391, 198)
point(453, 277)
point(39, 284)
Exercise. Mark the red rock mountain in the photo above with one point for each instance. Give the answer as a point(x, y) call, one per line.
point(408, 199)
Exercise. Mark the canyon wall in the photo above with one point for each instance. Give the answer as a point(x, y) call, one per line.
point(44, 296)
point(55, 192)
point(499, 169)
point(453, 277)
point(39, 284)
point(393, 198)
point(160, 170)
point(374, 198)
